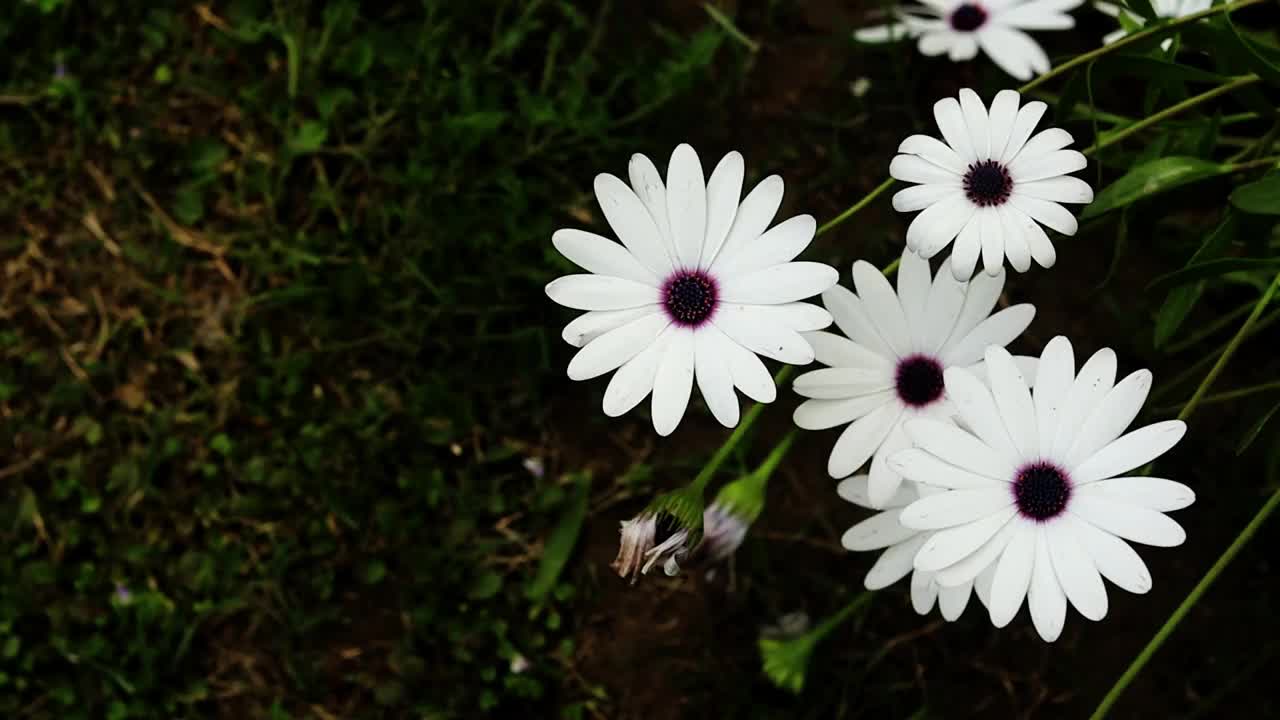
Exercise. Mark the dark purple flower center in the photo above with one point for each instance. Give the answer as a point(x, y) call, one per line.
point(1041, 491)
point(690, 297)
point(987, 183)
point(968, 17)
point(919, 380)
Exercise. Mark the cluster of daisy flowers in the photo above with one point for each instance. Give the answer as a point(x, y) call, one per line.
point(1009, 476)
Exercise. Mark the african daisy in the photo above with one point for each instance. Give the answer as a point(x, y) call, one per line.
point(990, 185)
point(698, 287)
point(1037, 485)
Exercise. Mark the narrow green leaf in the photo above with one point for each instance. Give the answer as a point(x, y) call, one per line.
point(1212, 268)
point(309, 137)
point(1261, 197)
point(1181, 299)
point(1256, 430)
point(1142, 8)
point(1150, 179)
point(556, 551)
point(1131, 65)
point(1263, 60)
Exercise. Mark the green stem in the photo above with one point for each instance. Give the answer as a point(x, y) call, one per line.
point(709, 470)
point(726, 24)
point(865, 201)
point(1118, 135)
point(1198, 365)
point(1172, 623)
point(1208, 330)
point(1137, 37)
point(1231, 395)
point(836, 620)
point(1225, 559)
point(1230, 349)
point(771, 463)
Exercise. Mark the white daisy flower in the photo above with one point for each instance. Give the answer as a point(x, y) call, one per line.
point(990, 185)
point(697, 288)
point(900, 543)
point(890, 367)
point(1165, 9)
point(958, 28)
point(1037, 485)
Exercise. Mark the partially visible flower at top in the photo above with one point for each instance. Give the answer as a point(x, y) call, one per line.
point(1038, 485)
point(989, 184)
point(664, 533)
point(890, 367)
point(699, 286)
point(1164, 9)
point(883, 531)
point(959, 28)
point(535, 466)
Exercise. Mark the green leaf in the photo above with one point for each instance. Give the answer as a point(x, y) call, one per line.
point(1263, 60)
point(1254, 431)
point(309, 137)
point(1212, 268)
point(188, 204)
point(1261, 197)
point(559, 545)
point(1131, 65)
point(328, 101)
point(1181, 299)
point(485, 586)
point(1143, 8)
point(205, 155)
point(1150, 179)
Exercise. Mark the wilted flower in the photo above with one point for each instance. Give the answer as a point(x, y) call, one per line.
point(122, 595)
point(535, 466)
point(664, 533)
point(519, 664)
point(737, 506)
point(723, 530)
point(785, 655)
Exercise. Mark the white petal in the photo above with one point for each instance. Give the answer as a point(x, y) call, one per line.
point(982, 584)
point(882, 306)
point(1130, 451)
point(980, 298)
point(915, 169)
point(939, 224)
point(952, 601)
point(1076, 573)
point(646, 182)
point(924, 468)
point(1091, 385)
point(1004, 111)
point(942, 309)
point(711, 370)
point(952, 545)
point(724, 190)
point(957, 447)
point(600, 292)
point(919, 197)
point(1014, 401)
point(1130, 522)
point(893, 564)
point(883, 481)
point(600, 255)
point(1062, 189)
point(999, 329)
point(780, 244)
point(612, 349)
point(1023, 125)
point(1013, 576)
point(753, 331)
point(857, 490)
point(823, 414)
point(950, 119)
point(673, 383)
point(978, 409)
point(1045, 599)
point(1040, 144)
point(591, 325)
point(936, 152)
point(881, 33)
point(957, 507)
point(975, 563)
point(632, 223)
point(1148, 492)
point(842, 382)
point(1053, 165)
point(1111, 416)
point(837, 351)
point(749, 373)
point(1049, 214)
point(783, 283)
point(1014, 51)
point(936, 43)
point(878, 531)
point(858, 441)
point(1115, 559)
point(850, 315)
point(975, 121)
point(1054, 378)
point(968, 247)
point(634, 380)
point(914, 282)
point(798, 316)
point(1041, 248)
point(923, 592)
point(686, 204)
point(992, 237)
point(1036, 16)
point(752, 219)
point(1015, 238)
point(963, 47)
